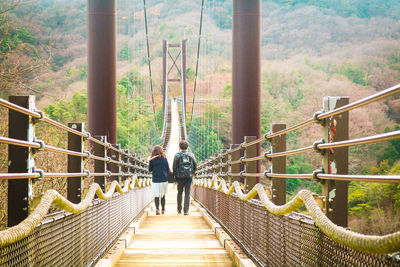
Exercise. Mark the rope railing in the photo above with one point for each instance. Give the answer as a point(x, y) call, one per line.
point(117, 166)
point(232, 166)
point(22, 230)
point(367, 243)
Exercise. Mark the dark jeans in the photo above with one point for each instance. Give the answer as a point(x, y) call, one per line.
point(157, 202)
point(184, 183)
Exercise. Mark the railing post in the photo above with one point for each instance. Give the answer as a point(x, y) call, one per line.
point(224, 168)
point(132, 161)
point(20, 160)
point(115, 168)
point(75, 164)
point(100, 166)
point(250, 167)
point(278, 144)
point(235, 168)
point(124, 169)
point(336, 128)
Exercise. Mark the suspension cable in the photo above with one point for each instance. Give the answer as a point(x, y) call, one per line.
point(197, 59)
point(149, 62)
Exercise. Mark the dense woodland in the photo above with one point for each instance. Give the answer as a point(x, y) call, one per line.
point(310, 49)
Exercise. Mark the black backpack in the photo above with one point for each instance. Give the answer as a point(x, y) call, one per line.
point(185, 166)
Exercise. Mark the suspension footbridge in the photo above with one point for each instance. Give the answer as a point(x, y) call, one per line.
point(100, 213)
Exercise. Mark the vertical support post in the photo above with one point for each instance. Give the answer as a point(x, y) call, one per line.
point(115, 168)
point(235, 168)
point(100, 166)
point(336, 129)
point(278, 144)
point(20, 159)
point(75, 164)
point(102, 102)
point(246, 71)
point(250, 167)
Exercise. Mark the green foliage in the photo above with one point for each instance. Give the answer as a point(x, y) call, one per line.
point(190, 74)
point(70, 71)
point(125, 53)
point(13, 37)
point(83, 72)
point(298, 165)
point(352, 72)
point(391, 153)
point(68, 111)
point(203, 140)
point(227, 91)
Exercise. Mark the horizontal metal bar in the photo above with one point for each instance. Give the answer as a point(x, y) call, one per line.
point(245, 174)
point(259, 140)
point(65, 175)
point(290, 129)
point(98, 158)
point(11, 176)
point(253, 159)
point(99, 174)
point(362, 102)
point(17, 108)
point(235, 174)
point(235, 162)
point(16, 142)
point(361, 178)
point(63, 127)
point(291, 152)
point(92, 139)
point(230, 151)
point(290, 176)
point(362, 141)
point(64, 151)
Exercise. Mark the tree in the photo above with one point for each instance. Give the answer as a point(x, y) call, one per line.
point(20, 60)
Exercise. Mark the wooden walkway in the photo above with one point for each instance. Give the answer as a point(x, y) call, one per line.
point(174, 239)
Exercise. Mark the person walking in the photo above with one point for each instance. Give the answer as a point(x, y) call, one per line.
point(184, 167)
point(159, 167)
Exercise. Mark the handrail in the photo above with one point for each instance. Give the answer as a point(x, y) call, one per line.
point(362, 141)
point(17, 108)
point(22, 230)
point(16, 142)
point(362, 102)
point(290, 129)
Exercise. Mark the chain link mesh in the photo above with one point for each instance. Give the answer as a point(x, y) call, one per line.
point(290, 240)
point(77, 239)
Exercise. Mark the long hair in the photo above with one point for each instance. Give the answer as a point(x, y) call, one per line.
point(158, 151)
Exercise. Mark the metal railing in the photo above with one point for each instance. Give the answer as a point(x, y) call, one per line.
point(86, 226)
point(328, 211)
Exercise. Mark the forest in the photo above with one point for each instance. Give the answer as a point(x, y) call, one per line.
point(310, 49)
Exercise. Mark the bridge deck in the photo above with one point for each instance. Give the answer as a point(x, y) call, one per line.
point(175, 240)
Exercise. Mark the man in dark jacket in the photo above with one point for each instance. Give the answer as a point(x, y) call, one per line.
point(184, 168)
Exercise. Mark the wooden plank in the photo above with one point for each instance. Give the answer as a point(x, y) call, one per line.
point(174, 239)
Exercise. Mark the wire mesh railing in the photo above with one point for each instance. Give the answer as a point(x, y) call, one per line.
point(328, 211)
point(85, 226)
